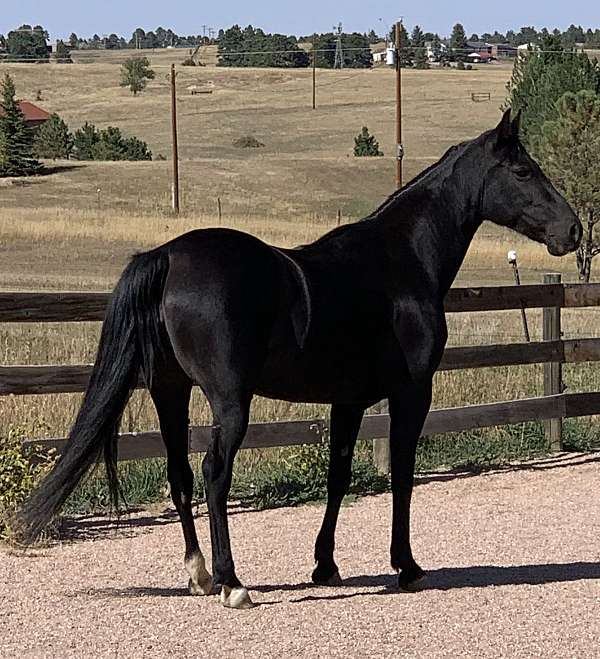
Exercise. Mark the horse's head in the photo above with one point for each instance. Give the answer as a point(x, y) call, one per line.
point(517, 194)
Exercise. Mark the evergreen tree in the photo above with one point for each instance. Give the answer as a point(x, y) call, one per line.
point(540, 79)
point(373, 37)
point(365, 144)
point(436, 48)
point(63, 54)
point(568, 149)
point(53, 139)
point(84, 142)
point(136, 149)
point(406, 53)
point(16, 138)
point(253, 47)
point(135, 72)
point(28, 44)
point(458, 42)
point(417, 38)
point(74, 41)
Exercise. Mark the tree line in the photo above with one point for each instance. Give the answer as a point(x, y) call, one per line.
point(31, 43)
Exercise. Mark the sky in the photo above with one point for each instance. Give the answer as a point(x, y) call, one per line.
point(86, 17)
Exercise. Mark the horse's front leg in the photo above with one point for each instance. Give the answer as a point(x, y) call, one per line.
point(408, 412)
point(345, 424)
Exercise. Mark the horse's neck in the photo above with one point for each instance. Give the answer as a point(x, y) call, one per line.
point(438, 216)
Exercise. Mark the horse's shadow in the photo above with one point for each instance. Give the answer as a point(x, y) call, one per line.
point(445, 578)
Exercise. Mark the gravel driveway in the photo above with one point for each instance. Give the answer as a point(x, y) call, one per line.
point(513, 560)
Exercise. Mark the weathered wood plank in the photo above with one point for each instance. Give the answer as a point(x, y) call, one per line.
point(52, 307)
point(505, 354)
point(474, 416)
point(31, 380)
point(582, 350)
point(582, 404)
point(138, 446)
point(582, 295)
point(73, 307)
point(262, 435)
point(498, 298)
point(144, 445)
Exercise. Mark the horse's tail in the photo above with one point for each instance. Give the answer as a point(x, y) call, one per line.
point(131, 337)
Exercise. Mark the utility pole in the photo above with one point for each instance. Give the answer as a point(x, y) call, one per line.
point(339, 53)
point(314, 72)
point(399, 146)
point(175, 199)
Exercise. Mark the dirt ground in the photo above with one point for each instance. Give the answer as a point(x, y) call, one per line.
point(513, 559)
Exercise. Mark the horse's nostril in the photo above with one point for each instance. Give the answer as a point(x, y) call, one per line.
point(575, 232)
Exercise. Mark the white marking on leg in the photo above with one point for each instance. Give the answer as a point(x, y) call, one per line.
point(200, 579)
point(236, 598)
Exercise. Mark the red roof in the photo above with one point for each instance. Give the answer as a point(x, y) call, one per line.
point(32, 112)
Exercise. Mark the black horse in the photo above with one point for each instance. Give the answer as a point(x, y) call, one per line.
point(349, 320)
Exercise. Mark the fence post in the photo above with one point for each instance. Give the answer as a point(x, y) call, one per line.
point(553, 370)
point(381, 447)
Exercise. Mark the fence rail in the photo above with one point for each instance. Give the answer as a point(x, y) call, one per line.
point(554, 351)
point(77, 307)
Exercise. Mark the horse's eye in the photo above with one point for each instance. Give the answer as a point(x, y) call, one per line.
point(523, 173)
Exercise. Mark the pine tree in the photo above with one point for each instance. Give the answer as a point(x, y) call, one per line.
point(84, 140)
point(365, 144)
point(53, 139)
point(63, 53)
point(16, 138)
point(135, 72)
point(568, 148)
point(458, 42)
point(540, 79)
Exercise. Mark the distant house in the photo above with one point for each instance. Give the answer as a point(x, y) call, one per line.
point(432, 55)
point(480, 52)
point(34, 116)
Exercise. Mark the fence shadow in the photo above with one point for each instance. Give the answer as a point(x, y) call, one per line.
point(562, 461)
point(440, 579)
point(455, 578)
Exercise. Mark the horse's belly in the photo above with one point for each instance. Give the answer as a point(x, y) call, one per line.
point(326, 378)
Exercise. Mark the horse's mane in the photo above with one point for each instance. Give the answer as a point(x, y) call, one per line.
point(395, 198)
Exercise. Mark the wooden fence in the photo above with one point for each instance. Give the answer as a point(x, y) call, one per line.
point(553, 351)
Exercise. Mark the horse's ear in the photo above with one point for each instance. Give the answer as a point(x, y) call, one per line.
point(516, 125)
point(504, 130)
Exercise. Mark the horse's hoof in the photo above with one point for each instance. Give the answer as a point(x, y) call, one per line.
point(200, 582)
point(333, 580)
point(412, 581)
point(236, 598)
point(202, 588)
point(326, 577)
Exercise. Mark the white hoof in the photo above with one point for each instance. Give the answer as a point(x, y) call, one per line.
point(236, 598)
point(200, 582)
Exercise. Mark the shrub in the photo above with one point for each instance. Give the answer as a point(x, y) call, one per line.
point(21, 468)
point(247, 142)
point(302, 477)
point(366, 144)
point(108, 144)
point(53, 139)
point(460, 65)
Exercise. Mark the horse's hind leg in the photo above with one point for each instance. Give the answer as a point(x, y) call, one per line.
point(229, 427)
point(170, 392)
point(345, 423)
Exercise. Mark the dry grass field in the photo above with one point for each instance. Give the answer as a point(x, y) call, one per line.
point(58, 232)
